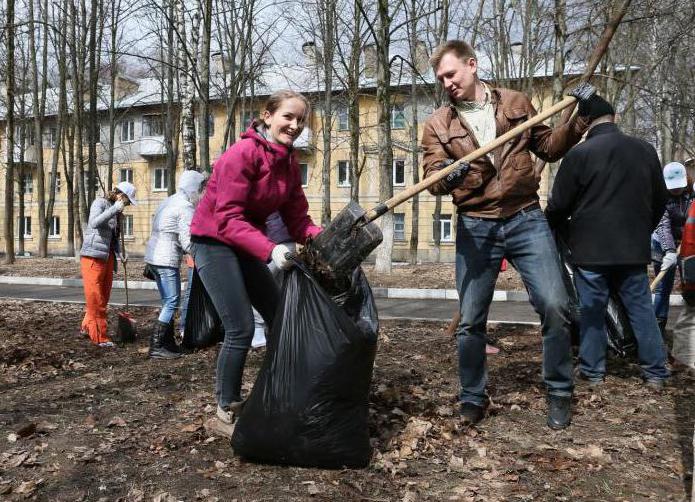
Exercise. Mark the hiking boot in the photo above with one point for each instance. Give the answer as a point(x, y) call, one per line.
point(559, 412)
point(158, 350)
point(471, 413)
point(230, 413)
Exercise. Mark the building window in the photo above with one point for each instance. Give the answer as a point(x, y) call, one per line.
point(343, 118)
point(343, 173)
point(445, 228)
point(304, 172)
point(246, 119)
point(126, 175)
point(53, 136)
point(161, 179)
point(26, 226)
point(128, 225)
point(399, 173)
point(56, 184)
point(211, 126)
point(54, 229)
point(398, 117)
point(152, 125)
point(399, 226)
point(24, 133)
point(127, 131)
point(27, 183)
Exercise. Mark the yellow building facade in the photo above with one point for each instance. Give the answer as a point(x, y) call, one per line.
point(140, 157)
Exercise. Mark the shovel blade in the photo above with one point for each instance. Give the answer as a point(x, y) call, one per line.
point(347, 240)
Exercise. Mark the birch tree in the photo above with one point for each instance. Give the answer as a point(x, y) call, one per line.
point(9, 173)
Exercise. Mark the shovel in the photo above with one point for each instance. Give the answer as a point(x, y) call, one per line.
point(352, 235)
point(126, 332)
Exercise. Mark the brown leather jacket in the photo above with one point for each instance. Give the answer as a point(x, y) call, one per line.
point(501, 189)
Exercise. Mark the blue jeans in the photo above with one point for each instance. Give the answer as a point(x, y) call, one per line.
point(526, 241)
point(169, 286)
point(184, 300)
point(632, 285)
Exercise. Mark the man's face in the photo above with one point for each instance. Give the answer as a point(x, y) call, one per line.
point(457, 76)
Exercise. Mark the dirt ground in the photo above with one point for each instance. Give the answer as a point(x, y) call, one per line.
point(81, 423)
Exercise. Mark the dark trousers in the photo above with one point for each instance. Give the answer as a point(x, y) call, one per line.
point(235, 283)
point(632, 285)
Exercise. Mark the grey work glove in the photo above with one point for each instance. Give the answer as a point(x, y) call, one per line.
point(669, 260)
point(455, 177)
point(583, 92)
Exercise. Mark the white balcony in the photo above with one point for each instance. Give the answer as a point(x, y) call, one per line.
point(29, 154)
point(303, 142)
point(152, 146)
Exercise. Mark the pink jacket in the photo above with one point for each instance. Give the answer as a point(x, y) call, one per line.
point(250, 181)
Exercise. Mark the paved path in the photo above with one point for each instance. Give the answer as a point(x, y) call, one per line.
point(389, 308)
point(437, 310)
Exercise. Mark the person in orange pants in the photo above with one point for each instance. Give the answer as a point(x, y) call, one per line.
point(97, 258)
point(97, 277)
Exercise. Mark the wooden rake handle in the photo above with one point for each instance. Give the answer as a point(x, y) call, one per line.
point(406, 194)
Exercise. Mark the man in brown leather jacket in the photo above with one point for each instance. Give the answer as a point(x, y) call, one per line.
point(499, 216)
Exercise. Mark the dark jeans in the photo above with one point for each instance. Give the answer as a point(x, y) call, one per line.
point(632, 284)
point(662, 292)
point(526, 241)
point(235, 282)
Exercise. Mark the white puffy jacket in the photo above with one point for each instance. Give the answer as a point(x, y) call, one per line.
point(171, 228)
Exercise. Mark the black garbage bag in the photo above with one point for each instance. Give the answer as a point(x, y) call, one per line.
point(203, 325)
point(309, 405)
point(575, 310)
point(621, 338)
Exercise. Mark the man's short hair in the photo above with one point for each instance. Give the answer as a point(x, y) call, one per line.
point(459, 48)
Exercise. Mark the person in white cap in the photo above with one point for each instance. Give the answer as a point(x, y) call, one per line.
point(98, 258)
point(667, 237)
point(169, 241)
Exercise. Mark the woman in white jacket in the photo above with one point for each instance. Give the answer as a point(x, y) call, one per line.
point(170, 239)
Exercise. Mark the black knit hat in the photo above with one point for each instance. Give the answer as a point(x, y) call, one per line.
point(598, 107)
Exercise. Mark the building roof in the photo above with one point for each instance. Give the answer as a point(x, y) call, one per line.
point(301, 78)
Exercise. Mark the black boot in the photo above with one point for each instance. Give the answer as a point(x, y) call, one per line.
point(170, 340)
point(559, 412)
point(158, 350)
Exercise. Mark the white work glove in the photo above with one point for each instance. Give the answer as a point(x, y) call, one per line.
point(279, 258)
point(119, 205)
point(669, 260)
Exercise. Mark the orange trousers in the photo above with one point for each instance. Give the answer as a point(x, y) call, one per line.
point(97, 277)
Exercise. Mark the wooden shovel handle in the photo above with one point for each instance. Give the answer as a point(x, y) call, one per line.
point(662, 273)
point(406, 194)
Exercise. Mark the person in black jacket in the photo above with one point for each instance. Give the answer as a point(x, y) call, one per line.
point(608, 196)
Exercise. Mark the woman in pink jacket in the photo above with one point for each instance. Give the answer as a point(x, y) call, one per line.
point(257, 176)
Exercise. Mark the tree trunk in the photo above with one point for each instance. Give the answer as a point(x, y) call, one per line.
point(8, 222)
point(353, 91)
point(415, 206)
point(328, 7)
point(38, 106)
point(385, 144)
point(92, 123)
point(204, 75)
point(187, 57)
